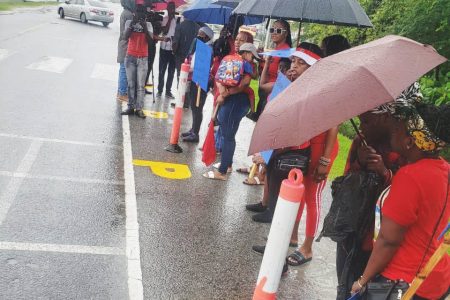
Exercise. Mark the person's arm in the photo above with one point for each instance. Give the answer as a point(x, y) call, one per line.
point(245, 83)
point(148, 29)
point(389, 240)
point(265, 71)
point(321, 172)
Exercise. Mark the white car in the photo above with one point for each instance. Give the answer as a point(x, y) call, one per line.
point(86, 10)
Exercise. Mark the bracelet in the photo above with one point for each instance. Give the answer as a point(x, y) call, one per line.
point(324, 161)
point(359, 283)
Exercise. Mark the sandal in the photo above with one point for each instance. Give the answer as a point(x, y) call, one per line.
point(253, 181)
point(212, 175)
point(243, 170)
point(217, 165)
point(297, 259)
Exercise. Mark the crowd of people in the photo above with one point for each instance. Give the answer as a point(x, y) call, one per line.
point(398, 143)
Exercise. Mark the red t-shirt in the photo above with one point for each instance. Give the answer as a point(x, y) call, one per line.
point(415, 201)
point(273, 66)
point(137, 43)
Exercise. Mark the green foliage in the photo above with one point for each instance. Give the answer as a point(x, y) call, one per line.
point(347, 130)
point(341, 159)
point(425, 21)
point(10, 5)
point(436, 91)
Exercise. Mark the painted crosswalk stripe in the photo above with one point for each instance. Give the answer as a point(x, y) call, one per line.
point(106, 72)
point(4, 53)
point(51, 64)
point(79, 249)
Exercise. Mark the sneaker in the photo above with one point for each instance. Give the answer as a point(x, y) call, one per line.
point(172, 104)
point(259, 249)
point(187, 133)
point(264, 217)
point(127, 112)
point(169, 95)
point(192, 138)
point(140, 114)
point(258, 207)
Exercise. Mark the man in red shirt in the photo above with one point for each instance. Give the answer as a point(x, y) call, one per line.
point(138, 32)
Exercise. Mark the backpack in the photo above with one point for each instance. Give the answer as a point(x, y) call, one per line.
point(231, 70)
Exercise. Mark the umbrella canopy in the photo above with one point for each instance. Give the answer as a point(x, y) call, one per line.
point(229, 3)
point(162, 5)
point(335, 12)
point(206, 11)
point(342, 86)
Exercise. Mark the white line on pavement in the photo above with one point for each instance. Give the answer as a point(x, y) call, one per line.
point(10, 193)
point(58, 141)
point(60, 178)
point(135, 289)
point(81, 249)
point(51, 64)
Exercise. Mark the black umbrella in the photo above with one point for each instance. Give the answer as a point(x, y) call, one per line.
point(228, 3)
point(332, 12)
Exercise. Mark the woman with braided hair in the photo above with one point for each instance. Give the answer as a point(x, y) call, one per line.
point(416, 210)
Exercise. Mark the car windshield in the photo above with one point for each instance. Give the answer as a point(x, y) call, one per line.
point(97, 3)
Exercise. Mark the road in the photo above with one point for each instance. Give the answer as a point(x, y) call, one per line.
point(79, 221)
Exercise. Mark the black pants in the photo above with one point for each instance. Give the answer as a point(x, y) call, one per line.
point(178, 62)
point(151, 59)
point(197, 112)
point(166, 61)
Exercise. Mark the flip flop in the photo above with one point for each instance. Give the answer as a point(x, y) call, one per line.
point(243, 170)
point(211, 175)
point(256, 181)
point(299, 259)
point(217, 165)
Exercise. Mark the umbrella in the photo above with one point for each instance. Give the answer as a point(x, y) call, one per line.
point(335, 12)
point(340, 87)
point(229, 3)
point(162, 5)
point(209, 146)
point(206, 11)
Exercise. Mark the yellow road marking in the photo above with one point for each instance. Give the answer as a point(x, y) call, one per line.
point(164, 169)
point(156, 114)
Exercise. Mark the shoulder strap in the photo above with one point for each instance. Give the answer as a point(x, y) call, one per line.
point(437, 223)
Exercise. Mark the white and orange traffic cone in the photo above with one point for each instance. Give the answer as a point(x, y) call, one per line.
point(182, 87)
point(291, 193)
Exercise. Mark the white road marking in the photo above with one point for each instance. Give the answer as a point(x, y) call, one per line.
point(61, 178)
point(4, 53)
point(135, 289)
point(80, 249)
point(33, 138)
point(106, 72)
point(51, 64)
point(10, 193)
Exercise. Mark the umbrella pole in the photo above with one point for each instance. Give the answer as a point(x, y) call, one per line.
point(252, 172)
point(199, 91)
point(358, 133)
point(299, 32)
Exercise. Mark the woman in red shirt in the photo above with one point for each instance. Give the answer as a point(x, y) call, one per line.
point(416, 210)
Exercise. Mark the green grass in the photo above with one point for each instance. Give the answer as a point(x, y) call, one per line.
point(341, 159)
point(254, 85)
point(5, 6)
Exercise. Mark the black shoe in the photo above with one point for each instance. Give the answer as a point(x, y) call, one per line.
point(159, 94)
point(192, 138)
point(259, 249)
point(127, 112)
point(186, 134)
point(264, 217)
point(140, 114)
point(258, 207)
point(169, 95)
point(172, 104)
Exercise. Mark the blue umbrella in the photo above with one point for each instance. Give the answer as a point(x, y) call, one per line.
point(206, 11)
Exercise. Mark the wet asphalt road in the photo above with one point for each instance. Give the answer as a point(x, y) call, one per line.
point(62, 199)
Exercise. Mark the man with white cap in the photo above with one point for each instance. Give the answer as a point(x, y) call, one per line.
point(206, 35)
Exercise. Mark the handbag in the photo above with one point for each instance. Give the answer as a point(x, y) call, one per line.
point(290, 160)
point(385, 290)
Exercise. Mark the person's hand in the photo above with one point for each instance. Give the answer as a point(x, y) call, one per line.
point(269, 59)
point(363, 154)
point(320, 173)
point(225, 93)
point(143, 24)
point(356, 288)
point(220, 100)
point(258, 159)
point(375, 164)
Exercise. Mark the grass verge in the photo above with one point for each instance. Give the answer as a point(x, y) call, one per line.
point(6, 6)
point(341, 159)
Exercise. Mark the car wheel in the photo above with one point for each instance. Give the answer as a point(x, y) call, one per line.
point(83, 18)
point(105, 24)
point(61, 13)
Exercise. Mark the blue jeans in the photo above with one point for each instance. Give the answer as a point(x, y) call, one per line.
point(136, 68)
point(230, 115)
point(123, 83)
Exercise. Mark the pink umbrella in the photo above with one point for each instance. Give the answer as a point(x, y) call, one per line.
point(340, 87)
point(162, 6)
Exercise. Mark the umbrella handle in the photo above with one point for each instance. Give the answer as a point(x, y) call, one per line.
point(363, 140)
point(253, 170)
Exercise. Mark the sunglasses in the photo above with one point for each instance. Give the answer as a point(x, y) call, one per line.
point(277, 30)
